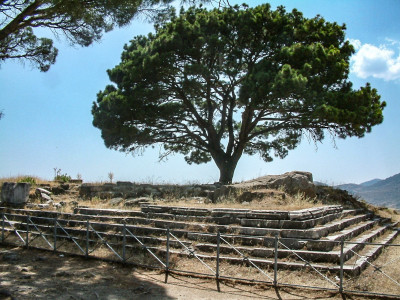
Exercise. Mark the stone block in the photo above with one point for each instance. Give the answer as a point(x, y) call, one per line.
point(15, 193)
point(124, 184)
point(190, 211)
point(116, 201)
point(262, 252)
point(268, 214)
point(39, 191)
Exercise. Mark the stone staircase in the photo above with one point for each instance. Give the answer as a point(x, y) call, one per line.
point(311, 235)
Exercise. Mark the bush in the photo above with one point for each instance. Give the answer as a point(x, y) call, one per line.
point(28, 179)
point(62, 177)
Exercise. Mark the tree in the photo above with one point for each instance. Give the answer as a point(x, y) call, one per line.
point(213, 85)
point(81, 21)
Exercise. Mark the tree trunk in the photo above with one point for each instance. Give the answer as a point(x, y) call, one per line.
point(226, 171)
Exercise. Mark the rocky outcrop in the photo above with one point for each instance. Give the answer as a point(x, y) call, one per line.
point(290, 182)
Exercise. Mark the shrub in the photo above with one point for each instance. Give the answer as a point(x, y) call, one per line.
point(63, 177)
point(28, 179)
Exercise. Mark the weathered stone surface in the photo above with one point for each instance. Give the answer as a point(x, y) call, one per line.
point(57, 190)
point(39, 191)
point(131, 190)
point(248, 196)
point(291, 182)
point(124, 184)
point(15, 193)
point(44, 197)
point(268, 214)
point(43, 206)
point(137, 201)
point(116, 201)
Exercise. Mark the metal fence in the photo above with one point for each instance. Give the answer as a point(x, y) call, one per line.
point(354, 267)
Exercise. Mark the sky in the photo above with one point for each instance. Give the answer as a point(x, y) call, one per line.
point(47, 120)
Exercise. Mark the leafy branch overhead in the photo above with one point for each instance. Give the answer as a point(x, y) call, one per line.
point(81, 21)
point(213, 85)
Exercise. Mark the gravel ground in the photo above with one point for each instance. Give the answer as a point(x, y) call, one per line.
point(35, 274)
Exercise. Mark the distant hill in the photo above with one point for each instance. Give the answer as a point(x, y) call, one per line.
point(377, 191)
point(370, 182)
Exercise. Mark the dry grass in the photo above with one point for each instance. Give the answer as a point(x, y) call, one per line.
point(289, 202)
point(383, 276)
point(24, 178)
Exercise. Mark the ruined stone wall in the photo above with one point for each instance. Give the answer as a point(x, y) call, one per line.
point(133, 190)
point(292, 182)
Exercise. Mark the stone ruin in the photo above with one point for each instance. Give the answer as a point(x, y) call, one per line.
point(291, 182)
point(312, 234)
point(15, 194)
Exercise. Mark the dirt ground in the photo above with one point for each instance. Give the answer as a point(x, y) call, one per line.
point(35, 274)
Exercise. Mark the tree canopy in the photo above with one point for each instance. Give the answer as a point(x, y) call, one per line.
point(81, 21)
point(213, 85)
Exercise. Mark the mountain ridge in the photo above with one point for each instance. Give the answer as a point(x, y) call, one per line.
point(381, 192)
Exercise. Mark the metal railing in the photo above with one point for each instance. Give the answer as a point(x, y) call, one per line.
point(56, 235)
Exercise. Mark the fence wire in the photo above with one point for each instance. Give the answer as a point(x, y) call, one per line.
point(351, 259)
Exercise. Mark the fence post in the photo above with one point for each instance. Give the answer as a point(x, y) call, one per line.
point(87, 238)
point(217, 271)
point(55, 234)
point(124, 243)
point(2, 227)
point(276, 261)
point(27, 232)
point(167, 258)
point(341, 266)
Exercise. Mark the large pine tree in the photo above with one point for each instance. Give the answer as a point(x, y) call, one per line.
point(216, 84)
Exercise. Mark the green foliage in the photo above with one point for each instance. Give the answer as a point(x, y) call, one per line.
point(81, 21)
point(213, 85)
point(61, 177)
point(28, 179)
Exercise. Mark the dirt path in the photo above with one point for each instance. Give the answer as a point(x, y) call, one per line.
point(34, 274)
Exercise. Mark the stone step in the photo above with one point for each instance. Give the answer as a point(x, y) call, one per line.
point(371, 254)
point(80, 235)
point(366, 237)
point(289, 224)
point(314, 256)
point(314, 233)
point(303, 214)
point(189, 237)
point(254, 242)
point(142, 218)
point(220, 216)
point(252, 253)
point(330, 241)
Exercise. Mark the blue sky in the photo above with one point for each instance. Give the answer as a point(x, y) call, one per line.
point(47, 119)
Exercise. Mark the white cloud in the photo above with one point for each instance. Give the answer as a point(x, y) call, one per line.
point(378, 62)
point(356, 43)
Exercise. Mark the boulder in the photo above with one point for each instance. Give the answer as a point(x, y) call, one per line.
point(248, 196)
point(116, 201)
point(43, 194)
point(290, 182)
point(137, 201)
point(45, 198)
point(39, 191)
point(57, 190)
point(15, 193)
